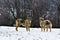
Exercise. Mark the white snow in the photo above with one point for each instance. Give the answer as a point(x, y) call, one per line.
point(9, 33)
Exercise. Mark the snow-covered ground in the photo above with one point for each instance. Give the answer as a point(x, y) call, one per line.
point(9, 33)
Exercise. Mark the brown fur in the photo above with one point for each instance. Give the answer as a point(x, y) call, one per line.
point(26, 23)
point(45, 26)
point(18, 23)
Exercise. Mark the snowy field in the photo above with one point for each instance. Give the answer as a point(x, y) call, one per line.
point(9, 33)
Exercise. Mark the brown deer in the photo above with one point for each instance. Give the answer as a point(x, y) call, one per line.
point(25, 23)
point(45, 24)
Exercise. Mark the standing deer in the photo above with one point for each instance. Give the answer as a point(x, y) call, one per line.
point(25, 23)
point(45, 24)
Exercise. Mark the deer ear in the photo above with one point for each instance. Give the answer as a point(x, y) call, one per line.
point(41, 18)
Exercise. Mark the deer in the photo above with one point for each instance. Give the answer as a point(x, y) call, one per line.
point(45, 24)
point(25, 23)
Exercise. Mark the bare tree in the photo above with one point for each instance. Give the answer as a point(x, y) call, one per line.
point(13, 9)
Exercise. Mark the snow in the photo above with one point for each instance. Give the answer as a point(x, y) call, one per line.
point(9, 33)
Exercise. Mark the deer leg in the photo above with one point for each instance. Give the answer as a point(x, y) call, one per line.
point(47, 28)
point(17, 24)
point(16, 28)
point(44, 29)
point(27, 28)
point(50, 29)
point(41, 28)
